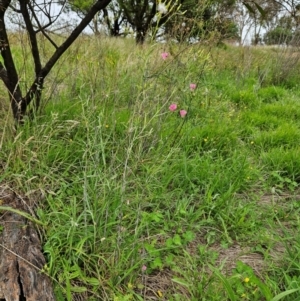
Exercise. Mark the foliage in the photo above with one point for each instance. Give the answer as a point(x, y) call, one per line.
point(139, 15)
point(197, 19)
point(278, 36)
point(183, 20)
point(136, 201)
point(282, 34)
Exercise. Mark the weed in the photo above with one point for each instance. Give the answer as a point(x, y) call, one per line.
point(143, 166)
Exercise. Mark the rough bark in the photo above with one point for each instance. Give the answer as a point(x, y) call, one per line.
point(21, 258)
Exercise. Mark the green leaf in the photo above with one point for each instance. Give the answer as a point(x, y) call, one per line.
point(74, 275)
point(140, 286)
point(157, 263)
point(249, 7)
point(180, 281)
point(170, 259)
point(78, 289)
point(156, 216)
point(226, 284)
point(286, 293)
point(169, 243)
point(177, 240)
point(189, 236)
point(261, 10)
point(93, 281)
point(149, 248)
point(24, 214)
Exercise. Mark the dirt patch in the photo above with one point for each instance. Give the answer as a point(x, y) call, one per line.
point(158, 285)
point(278, 199)
point(256, 260)
point(227, 258)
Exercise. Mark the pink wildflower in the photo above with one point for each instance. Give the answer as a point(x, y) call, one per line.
point(193, 87)
point(183, 113)
point(164, 55)
point(173, 107)
point(144, 268)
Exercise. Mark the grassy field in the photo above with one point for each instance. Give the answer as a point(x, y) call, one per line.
point(140, 203)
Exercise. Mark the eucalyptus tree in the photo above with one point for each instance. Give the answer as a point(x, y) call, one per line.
point(139, 15)
point(286, 25)
point(270, 16)
point(289, 21)
point(36, 17)
point(291, 8)
point(197, 19)
point(281, 34)
point(114, 19)
point(179, 19)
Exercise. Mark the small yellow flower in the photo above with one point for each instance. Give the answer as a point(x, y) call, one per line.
point(160, 294)
point(252, 142)
point(106, 125)
point(205, 139)
point(246, 279)
point(130, 285)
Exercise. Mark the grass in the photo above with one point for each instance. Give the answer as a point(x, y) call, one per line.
point(138, 203)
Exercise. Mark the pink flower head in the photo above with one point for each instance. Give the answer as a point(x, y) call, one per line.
point(193, 87)
point(183, 113)
point(144, 268)
point(164, 55)
point(173, 107)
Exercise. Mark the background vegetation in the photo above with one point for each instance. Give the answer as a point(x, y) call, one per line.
point(139, 203)
point(270, 22)
point(167, 170)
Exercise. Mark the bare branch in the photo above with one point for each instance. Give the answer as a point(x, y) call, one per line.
point(14, 9)
point(100, 4)
point(42, 29)
point(45, 8)
point(30, 11)
point(34, 48)
point(12, 82)
point(32, 37)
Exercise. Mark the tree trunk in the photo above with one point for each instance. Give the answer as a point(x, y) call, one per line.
point(140, 36)
point(21, 258)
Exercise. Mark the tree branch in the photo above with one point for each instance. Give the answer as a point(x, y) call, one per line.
point(34, 48)
point(40, 28)
point(100, 4)
point(11, 81)
point(32, 37)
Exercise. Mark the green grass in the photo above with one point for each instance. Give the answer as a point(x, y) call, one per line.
point(139, 203)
